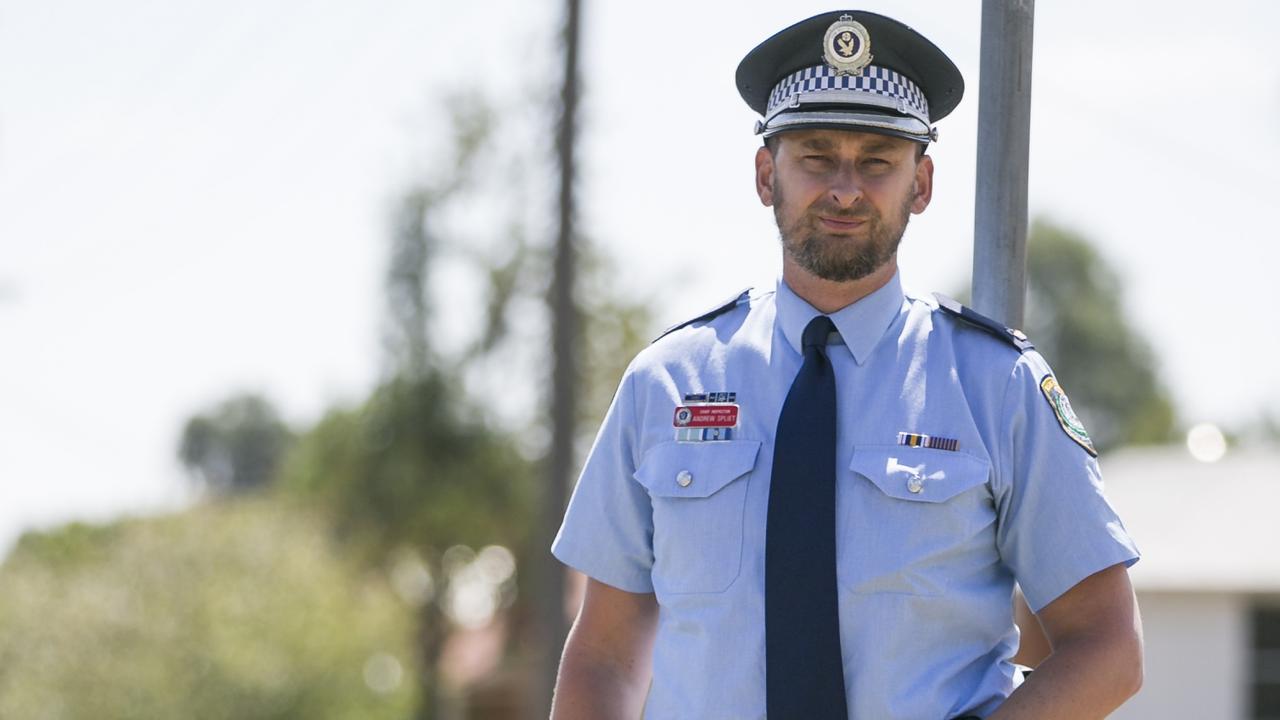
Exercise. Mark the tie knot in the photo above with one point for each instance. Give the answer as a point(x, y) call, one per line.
point(817, 331)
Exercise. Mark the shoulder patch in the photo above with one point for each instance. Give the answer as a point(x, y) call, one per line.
point(1071, 424)
point(720, 309)
point(1014, 337)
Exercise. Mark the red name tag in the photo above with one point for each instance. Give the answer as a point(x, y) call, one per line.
point(706, 416)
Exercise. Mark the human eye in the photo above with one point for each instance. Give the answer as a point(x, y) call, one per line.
point(876, 164)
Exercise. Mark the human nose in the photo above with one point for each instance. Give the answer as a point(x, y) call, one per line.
point(845, 188)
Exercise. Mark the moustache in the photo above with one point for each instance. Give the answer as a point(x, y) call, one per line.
point(856, 213)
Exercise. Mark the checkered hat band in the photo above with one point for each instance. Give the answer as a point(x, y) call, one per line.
point(874, 79)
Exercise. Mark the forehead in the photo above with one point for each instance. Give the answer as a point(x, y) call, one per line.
point(843, 141)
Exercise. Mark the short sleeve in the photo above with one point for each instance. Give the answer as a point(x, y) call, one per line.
point(607, 531)
point(1056, 527)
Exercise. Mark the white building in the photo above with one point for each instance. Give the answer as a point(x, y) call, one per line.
point(1208, 582)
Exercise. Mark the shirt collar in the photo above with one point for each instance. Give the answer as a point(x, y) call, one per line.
point(861, 324)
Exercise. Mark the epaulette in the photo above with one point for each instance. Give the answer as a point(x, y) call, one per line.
point(720, 309)
point(1014, 337)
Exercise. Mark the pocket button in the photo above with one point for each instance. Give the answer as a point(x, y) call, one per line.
point(684, 478)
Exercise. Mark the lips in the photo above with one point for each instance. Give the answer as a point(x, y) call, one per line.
point(841, 223)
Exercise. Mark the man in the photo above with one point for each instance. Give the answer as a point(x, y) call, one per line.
point(814, 502)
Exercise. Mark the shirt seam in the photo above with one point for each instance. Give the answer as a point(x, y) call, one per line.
point(1004, 452)
point(630, 382)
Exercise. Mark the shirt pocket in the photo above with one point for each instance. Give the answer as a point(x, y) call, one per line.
point(698, 492)
point(916, 520)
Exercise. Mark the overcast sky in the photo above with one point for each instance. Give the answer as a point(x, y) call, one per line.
point(194, 195)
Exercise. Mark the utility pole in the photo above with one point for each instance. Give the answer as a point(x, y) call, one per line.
point(564, 379)
point(1004, 138)
point(1000, 206)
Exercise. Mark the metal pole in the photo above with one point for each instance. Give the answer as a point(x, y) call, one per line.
point(1000, 209)
point(564, 379)
point(1004, 137)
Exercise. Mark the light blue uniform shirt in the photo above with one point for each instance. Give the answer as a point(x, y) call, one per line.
point(929, 542)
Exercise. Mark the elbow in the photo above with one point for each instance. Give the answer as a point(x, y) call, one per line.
point(1132, 671)
point(1136, 653)
point(1137, 673)
point(1118, 662)
point(1127, 649)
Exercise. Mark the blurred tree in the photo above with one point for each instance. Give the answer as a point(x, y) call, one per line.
point(150, 619)
point(1075, 316)
point(236, 446)
point(416, 241)
point(407, 477)
point(565, 340)
point(414, 466)
point(424, 470)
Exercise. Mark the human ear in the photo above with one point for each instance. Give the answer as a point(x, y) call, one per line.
point(764, 176)
point(922, 188)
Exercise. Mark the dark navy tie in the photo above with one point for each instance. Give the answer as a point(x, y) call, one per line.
point(804, 672)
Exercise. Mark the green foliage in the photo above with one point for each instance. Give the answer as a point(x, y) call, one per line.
point(240, 608)
point(1075, 316)
point(237, 610)
point(614, 328)
point(416, 472)
point(415, 466)
point(421, 464)
point(421, 470)
point(236, 446)
point(417, 238)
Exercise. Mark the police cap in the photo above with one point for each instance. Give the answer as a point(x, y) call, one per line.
point(850, 70)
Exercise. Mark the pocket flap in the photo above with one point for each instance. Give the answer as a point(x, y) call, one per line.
point(919, 474)
point(695, 470)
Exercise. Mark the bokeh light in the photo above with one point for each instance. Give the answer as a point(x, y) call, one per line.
point(1206, 442)
point(383, 673)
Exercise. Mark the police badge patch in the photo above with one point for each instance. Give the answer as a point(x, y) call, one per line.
point(1066, 416)
point(847, 46)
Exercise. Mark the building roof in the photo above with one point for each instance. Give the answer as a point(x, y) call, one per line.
point(1209, 527)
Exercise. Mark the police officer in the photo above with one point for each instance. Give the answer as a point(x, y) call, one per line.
point(814, 501)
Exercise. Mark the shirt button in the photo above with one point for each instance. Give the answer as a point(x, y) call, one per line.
point(683, 478)
point(915, 484)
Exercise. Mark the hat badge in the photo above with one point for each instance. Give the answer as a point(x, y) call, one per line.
point(847, 46)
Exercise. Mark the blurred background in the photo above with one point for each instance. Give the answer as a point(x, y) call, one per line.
point(277, 306)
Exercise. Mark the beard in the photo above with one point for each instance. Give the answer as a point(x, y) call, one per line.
point(841, 258)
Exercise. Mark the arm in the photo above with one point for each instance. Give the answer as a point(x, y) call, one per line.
point(1096, 663)
point(1034, 646)
point(604, 673)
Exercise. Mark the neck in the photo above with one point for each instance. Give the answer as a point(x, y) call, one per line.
point(828, 296)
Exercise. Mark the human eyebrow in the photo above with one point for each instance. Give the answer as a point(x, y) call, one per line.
point(820, 144)
point(878, 147)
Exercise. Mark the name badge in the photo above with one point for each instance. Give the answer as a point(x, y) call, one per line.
point(706, 417)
